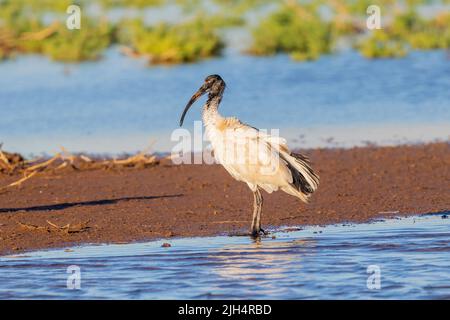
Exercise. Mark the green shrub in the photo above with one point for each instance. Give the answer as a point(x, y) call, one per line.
point(86, 43)
point(420, 33)
point(381, 45)
point(295, 30)
point(296, 27)
point(62, 44)
point(22, 31)
point(407, 31)
point(168, 43)
point(131, 3)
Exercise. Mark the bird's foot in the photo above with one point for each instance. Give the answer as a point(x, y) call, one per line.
point(258, 233)
point(238, 234)
point(254, 233)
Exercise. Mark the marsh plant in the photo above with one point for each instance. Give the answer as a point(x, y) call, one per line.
point(24, 31)
point(422, 33)
point(304, 30)
point(294, 29)
point(87, 43)
point(59, 43)
point(406, 32)
point(380, 45)
point(172, 43)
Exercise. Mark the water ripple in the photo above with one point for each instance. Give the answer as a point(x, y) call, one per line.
point(412, 254)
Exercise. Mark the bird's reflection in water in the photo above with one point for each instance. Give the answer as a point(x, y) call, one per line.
point(260, 263)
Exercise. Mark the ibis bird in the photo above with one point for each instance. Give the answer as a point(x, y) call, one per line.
point(252, 156)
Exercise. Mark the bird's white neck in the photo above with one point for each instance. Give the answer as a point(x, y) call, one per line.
point(210, 114)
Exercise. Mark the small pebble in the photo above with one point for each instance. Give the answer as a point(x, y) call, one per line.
point(166, 245)
point(444, 216)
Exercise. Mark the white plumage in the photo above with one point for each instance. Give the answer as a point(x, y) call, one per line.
point(253, 156)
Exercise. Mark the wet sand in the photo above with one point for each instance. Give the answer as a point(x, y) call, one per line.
point(164, 201)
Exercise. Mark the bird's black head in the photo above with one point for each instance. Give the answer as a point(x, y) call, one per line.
point(213, 85)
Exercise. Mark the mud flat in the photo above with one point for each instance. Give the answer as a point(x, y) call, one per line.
point(72, 207)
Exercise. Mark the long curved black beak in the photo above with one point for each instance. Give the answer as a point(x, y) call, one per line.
point(194, 98)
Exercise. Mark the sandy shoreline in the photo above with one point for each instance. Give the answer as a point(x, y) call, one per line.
point(164, 201)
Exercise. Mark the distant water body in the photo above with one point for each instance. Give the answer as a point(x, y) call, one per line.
point(118, 104)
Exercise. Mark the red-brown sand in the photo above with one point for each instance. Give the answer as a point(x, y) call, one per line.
point(106, 206)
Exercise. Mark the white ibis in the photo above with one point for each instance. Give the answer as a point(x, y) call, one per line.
point(262, 161)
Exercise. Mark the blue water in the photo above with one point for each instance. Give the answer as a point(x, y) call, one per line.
point(412, 256)
point(118, 103)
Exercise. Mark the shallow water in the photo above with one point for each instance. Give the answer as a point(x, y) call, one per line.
point(413, 256)
point(118, 104)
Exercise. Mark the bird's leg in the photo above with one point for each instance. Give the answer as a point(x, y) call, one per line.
point(257, 208)
point(254, 229)
point(260, 204)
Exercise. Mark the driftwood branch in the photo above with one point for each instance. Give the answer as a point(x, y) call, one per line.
point(65, 159)
point(68, 228)
point(32, 227)
point(42, 34)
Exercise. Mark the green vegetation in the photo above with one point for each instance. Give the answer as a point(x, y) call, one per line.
point(131, 3)
point(7, 44)
point(22, 31)
point(168, 44)
point(295, 30)
point(61, 5)
point(55, 40)
point(241, 6)
point(304, 29)
point(408, 31)
point(380, 45)
point(79, 45)
point(420, 33)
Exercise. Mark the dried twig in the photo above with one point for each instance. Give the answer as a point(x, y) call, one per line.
point(43, 164)
point(58, 227)
point(32, 227)
point(80, 227)
point(42, 34)
point(18, 182)
point(85, 158)
point(4, 160)
point(76, 228)
point(66, 159)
